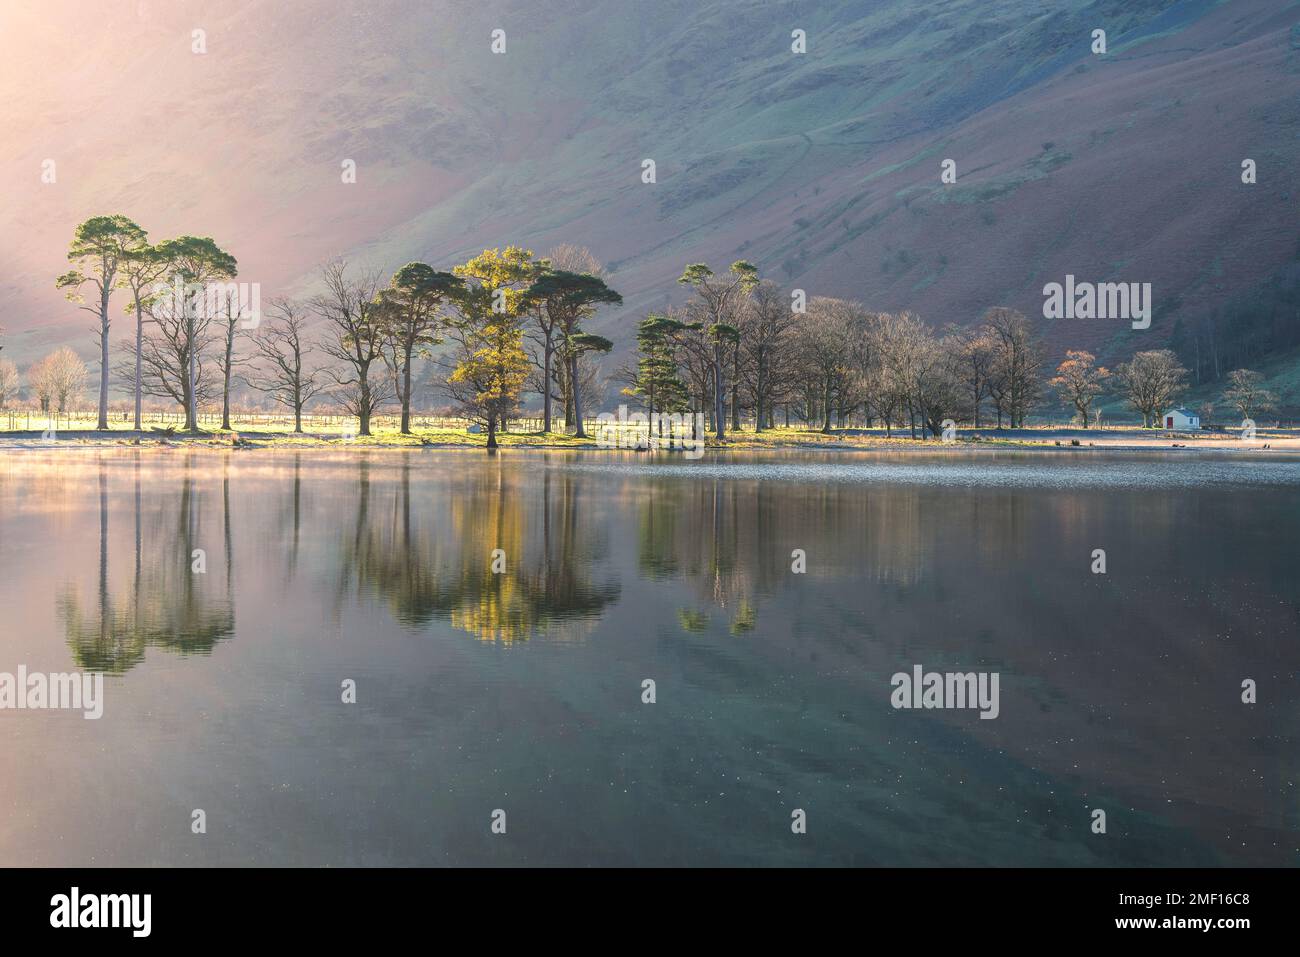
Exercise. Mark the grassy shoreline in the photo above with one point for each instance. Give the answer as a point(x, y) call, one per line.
point(781, 439)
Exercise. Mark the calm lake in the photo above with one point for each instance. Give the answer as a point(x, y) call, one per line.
point(522, 691)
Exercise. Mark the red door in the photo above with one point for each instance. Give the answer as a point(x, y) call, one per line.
point(1169, 422)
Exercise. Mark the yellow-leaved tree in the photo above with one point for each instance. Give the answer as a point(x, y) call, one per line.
point(491, 365)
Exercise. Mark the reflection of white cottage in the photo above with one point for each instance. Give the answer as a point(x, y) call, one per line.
point(1181, 418)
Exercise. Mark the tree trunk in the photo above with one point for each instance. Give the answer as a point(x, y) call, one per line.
point(719, 392)
point(225, 389)
point(492, 433)
point(735, 386)
point(363, 405)
point(103, 356)
point(546, 387)
point(406, 391)
point(566, 392)
point(139, 345)
point(191, 411)
point(578, 432)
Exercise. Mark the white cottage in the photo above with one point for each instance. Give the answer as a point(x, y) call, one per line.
point(1181, 418)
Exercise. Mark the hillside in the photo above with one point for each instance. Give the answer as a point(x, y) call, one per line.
point(822, 168)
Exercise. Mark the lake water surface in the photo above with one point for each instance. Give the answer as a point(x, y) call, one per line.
point(522, 691)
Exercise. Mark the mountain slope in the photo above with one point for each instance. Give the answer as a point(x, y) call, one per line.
point(822, 168)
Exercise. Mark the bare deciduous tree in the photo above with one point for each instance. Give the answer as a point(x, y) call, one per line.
point(1016, 383)
point(284, 370)
point(228, 310)
point(974, 356)
point(766, 326)
point(1152, 381)
point(825, 348)
point(350, 309)
point(40, 376)
point(173, 347)
point(1246, 393)
point(9, 381)
point(69, 376)
point(57, 378)
point(718, 301)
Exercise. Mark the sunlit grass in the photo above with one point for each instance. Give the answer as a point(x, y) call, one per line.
point(262, 430)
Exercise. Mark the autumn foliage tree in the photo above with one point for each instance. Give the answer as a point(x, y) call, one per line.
point(1079, 381)
point(491, 365)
